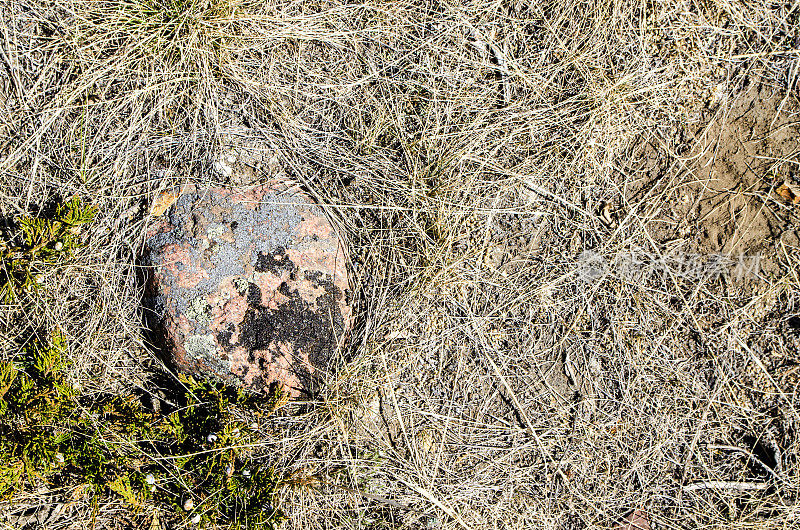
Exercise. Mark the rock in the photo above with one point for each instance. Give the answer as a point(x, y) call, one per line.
point(249, 287)
point(635, 520)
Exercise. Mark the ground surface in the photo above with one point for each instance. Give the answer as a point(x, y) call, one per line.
point(572, 233)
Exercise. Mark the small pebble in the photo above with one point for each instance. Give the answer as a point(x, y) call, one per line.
point(222, 169)
point(212, 438)
point(150, 479)
point(196, 518)
point(188, 505)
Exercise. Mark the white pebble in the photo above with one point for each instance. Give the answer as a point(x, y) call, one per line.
point(150, 479)
point(59, 245)
point(188, 505)
point(196, 518)
point(222, 169)
point(212, 438)
point(246, 472)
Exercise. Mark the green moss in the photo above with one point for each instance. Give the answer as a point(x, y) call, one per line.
point(44, 242)
point(34, 401)
point(113, 445)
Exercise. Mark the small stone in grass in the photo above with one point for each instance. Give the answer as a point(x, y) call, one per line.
point(636, 520)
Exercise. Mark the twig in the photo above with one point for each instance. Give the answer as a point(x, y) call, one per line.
point(725, 485)
point(436, 502)
point(370, 496)
point(752, 457)
point(487, 47)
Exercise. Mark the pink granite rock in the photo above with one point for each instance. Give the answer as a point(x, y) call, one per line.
point(249, 287)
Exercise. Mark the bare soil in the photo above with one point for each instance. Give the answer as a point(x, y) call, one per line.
point(712, 190)
point(746, 151)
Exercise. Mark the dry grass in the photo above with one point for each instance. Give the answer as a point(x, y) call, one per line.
point(466, 149)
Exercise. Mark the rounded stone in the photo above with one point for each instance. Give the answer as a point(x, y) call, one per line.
point(248, 286)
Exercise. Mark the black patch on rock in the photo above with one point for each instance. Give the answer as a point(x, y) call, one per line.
point(313, 330)
point(269, 263)
point(224, 337)
point(319, 279)
point(253, 295)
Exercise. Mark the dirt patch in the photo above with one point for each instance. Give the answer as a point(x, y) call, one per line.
point(742, 157)
point(726, 200)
